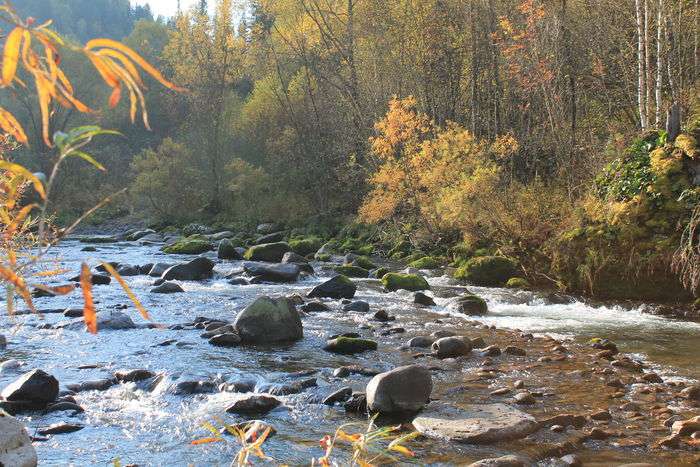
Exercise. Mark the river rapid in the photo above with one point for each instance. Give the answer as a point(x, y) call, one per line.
point(157, 427)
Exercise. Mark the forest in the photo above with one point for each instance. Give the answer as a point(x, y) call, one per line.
point(537, 130)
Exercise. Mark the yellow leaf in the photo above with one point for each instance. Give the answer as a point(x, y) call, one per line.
point(10, 125)
point(402, 449)
point(8, 275)
point(23, 172)
point(59, 290)
point(127, 289)
point(89, 314)
point(206, 441)
point(148, 68)
point(44, 91)
point(126, 63)
point(10, 56)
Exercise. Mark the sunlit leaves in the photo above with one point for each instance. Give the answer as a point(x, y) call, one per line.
point(9, 276)
point(22, 175)
point(89, 313)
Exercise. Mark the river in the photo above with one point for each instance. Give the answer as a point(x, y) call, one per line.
point(156, 428)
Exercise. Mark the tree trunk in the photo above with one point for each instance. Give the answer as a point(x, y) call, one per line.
point(659, 62)
point(641, 91)
point(647, 62)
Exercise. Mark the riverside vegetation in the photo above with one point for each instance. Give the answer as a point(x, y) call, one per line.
point(425, 149)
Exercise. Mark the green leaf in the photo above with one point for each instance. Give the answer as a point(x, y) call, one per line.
point(87, 157)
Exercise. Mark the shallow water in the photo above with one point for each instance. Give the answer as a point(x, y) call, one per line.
point(157, 428)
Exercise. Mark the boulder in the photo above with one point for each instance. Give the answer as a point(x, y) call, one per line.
point(197, 269)
point(139, 234)
point(269, 252)
point(60, 429)
point(475, 423)
point(420, 298)
point(36, 386)
point(226, 234)
point(490, 271)
point(469, 304)
point(227, 250)
point(127, 271)
point(426, 262)
point(341, 395)
point(692, 392)
point(270, 238)
point(95, 279)
point(351, 271)
point(132, 376)
point(291, 257)
point(158, 269)
point(312, 307)
point(168, 287)
point(151, 238)
point(3, 342)
point(266, 228)
point(359, 306)
point(336, 287)
point(188, 246)
point(273, 272)
point(256, 404)
point(396, 281)
point(451, 347)
point(227, 339)
point(16, 448)
point(421, 341)
point(269, 320)
point(349, 345)
point(402, 390)
point(305, 246)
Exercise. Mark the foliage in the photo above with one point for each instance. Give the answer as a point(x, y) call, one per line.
point(161, 177)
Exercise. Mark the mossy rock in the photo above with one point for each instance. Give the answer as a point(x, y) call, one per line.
point(270, 252)
point(380, 272)
point(305, 246)
point(351, 271)
point(393, 281)
point(322, 257)
point(188, 246)
point(349, 345)
point(426, 262)
point(490, 271)
point(471, 305)
point(364, 262)
point(414, 256)
point(517, 283)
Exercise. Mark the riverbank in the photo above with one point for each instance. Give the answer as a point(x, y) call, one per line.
point(538, 375)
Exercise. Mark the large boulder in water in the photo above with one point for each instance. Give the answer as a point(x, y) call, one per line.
point(270, 252)
point(106, 320)
point(227, 250)
point(451, 347)
point(16, 448)
point(197, 269)
point(469, 304)
point(476, 423)
point(396, 281)
point(273, 272)
point(36, 386)
point(336, 287)
point(188, 246)
point(269, 320)
point(402, 390)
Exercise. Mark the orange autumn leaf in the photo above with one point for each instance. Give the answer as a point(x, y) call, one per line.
point(89, 313)
point(197, 442)
point(10, 276)
point(10, 58)
point(58, 290)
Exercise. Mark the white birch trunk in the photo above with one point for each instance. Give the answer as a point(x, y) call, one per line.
point(659, 62)
point(641, 91)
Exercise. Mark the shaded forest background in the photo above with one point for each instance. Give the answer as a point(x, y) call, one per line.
point(510, 125)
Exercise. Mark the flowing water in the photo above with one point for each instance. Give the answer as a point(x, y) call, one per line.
point(156, 428)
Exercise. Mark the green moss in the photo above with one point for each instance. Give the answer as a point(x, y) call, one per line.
point(270, 252)
point(487, 270)
point(365, 250)
point(414, 256)
point(364, 262)
point(426, 262)
point(517, 283)
point(193, 245)
point(413, 282)
point(322, 257)
point(305, 246)
point(350, 345)
point(351, 271)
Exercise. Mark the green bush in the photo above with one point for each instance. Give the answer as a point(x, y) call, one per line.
point(487, 270)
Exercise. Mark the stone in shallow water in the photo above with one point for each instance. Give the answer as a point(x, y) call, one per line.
point(476, 423)
point(256, 404)
point(15, 445)
point(504, 461)
point(60, 429)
